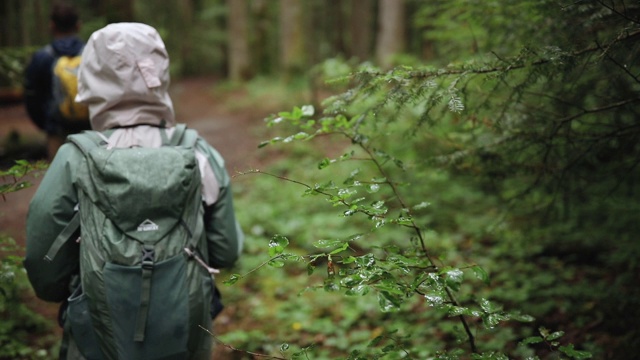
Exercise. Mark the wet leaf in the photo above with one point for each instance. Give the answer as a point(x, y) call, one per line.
point(327, 243)
point(277, 244)
point(481, 274)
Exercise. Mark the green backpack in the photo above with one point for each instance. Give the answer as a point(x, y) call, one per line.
point(145, 289)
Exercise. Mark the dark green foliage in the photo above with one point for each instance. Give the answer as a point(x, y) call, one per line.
point(23, 333)
point(494, 189)
point(12, 62)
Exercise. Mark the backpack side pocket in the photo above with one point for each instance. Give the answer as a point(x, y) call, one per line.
point(82, 330)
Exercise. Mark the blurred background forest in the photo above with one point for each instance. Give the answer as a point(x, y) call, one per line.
point(450, 179)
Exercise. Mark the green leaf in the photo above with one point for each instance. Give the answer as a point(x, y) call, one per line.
point(342, 248)
point(388, 302)
point(301, 136)
point(358, 290)
point(376, 341)
point(404, 220)
point(532, 340)
point(310, 269)
point(327, 243)
point(277, 244)
point(488, 306)
point(324, 163)
point(232, 279)
point(492, 320)
point(390, 287)
point(573, 353)
point(517, 316)
point(349, 260)
point(276, 263)
point(330, 286)
point(555, 335)
point(481, 274)
point(454, 278)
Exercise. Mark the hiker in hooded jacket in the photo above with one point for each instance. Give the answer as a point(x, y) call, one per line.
point(142, 261)
point(38, 80)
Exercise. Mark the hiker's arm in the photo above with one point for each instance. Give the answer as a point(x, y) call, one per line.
point(37, 85)
point(51, 209)
point(224, 236)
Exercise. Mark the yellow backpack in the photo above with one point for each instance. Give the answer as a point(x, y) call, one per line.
point(65, 88)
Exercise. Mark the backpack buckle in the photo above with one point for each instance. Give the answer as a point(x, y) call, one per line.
point(148, 257)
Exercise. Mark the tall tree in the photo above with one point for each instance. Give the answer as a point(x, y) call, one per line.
point(391, 32)
point(118, 10)
point(238, 40)
point(361, 24)
point(292, 56)
point(184, 26)
point(336, 16)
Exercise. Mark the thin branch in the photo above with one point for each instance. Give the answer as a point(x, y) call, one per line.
point(499, 69)
point(596, 110)
point(623, 67)
point(415, 227)
point(613, 10)
point(265, 356)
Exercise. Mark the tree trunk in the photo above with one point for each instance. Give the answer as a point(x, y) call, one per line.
point(391, 35)
point(42, 24)
point(118, 10)
point(183, 26)
point(336, 22)
point(26, 21)
point(292, 57)
point(238, 40)
point(361, 29)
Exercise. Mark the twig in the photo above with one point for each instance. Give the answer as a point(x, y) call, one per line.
point(240, 350)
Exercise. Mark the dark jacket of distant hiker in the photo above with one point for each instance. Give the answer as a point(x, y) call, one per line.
point(38, 94)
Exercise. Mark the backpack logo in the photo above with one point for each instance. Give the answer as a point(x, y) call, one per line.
point(147, 225)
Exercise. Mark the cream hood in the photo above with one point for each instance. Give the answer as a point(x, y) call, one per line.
point(124, 77)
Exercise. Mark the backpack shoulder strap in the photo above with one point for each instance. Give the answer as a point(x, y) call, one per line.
point(189, 138)
point(84, 141)
point(65, 235)
point(87, 140)
point(182, 136)
point(178, 133)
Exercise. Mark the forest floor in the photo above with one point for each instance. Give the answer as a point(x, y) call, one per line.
point(234, 133)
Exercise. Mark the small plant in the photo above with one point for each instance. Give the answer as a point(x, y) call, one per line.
point(23, 333)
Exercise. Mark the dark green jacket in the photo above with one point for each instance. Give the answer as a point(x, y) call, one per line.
point(52, 207)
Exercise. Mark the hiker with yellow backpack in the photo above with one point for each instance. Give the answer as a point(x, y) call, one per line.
point(51, 81)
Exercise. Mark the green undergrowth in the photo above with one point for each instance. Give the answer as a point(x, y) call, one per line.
point(292, 303)
point(24, 333)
